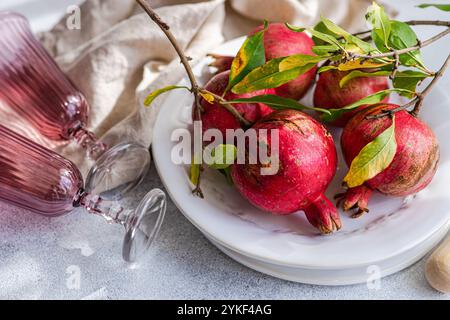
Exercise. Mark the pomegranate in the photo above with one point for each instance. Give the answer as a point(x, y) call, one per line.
point(328, 94)
point(217, 117)
point(414, 163)
point(307, 164)
point(221, 63)
point(280, 41)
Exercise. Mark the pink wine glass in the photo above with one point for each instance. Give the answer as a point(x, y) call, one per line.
point(35, 87)
point(38, 179)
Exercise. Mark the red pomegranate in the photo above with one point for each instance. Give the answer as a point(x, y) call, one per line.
point(280, 41)
point(328, 94)
point(221, 63)
point(414, 163)
point(307, 164)
point(216, 116)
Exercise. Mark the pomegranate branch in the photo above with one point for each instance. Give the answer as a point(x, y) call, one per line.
point(411, 23)
point(418, 100)
point(228, 106)
point(185, 61)
point(405, 50)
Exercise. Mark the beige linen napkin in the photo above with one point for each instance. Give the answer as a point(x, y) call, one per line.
point(119, 55)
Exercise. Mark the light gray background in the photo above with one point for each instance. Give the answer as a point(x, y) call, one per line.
point(41, 257)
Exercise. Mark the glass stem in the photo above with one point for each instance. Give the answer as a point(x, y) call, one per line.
point(88, 141)
point(111, 211)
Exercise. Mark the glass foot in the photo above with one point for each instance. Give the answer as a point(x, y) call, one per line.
point(115, 174)
point(143, 225)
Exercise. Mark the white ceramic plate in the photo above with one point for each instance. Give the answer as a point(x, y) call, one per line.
point(393, 227)
point(338, 276)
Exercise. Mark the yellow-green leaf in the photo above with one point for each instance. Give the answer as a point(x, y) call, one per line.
point(194, 172)
point(358, 74)
point(152, 96)
point(276, 73)
point(207, 96)
point(375, 157)
point(223, 156)
point(299, 60)
point(250, 56)
point(360, 64)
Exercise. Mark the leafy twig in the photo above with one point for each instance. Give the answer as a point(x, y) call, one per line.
point(421, 96)
point(428, 23)
point(418, 100)
point(405, 50)
point(166, 29)
point(411, 23)
point(195, 88)
point(184, 60)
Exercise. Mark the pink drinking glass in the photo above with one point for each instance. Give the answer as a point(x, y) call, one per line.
point(38, 179)
point(34, 86)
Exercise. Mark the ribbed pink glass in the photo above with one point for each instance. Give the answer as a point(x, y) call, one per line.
point(36, 88)
point(37, 179)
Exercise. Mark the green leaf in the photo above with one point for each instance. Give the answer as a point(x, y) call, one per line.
point(325, 50)
point(152, 96)
point(381, 24)
point(408, 80)
point(223, 156)
point(358, 74)
point(364, 46)
point(375, 157)
point(443, 7)
point(322, 29)
point(326, 38)
point(250, 56)
point(278, 103)
point(371, 99)
point(401, 36)
point(269, 76)
point(294, 28)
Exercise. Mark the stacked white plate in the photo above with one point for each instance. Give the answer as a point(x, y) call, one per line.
point(395, 234)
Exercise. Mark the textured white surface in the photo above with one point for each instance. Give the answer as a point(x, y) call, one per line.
point(39, 256)
point(37, 253)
